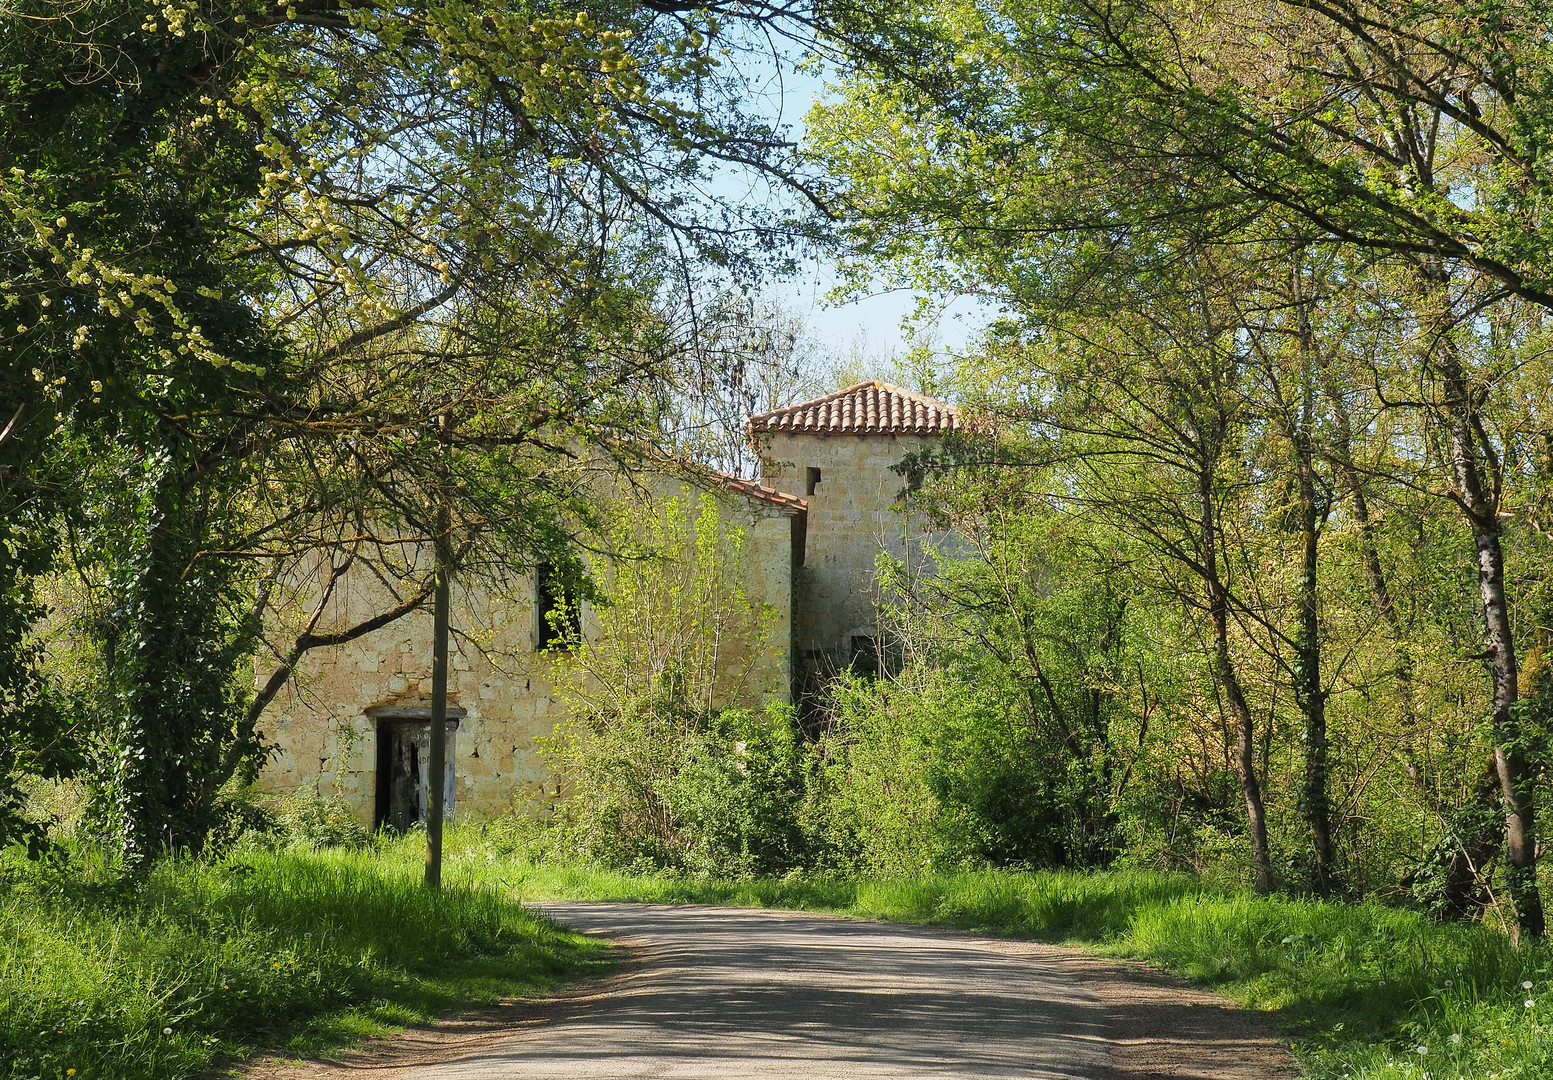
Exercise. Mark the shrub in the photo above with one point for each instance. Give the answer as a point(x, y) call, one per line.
point(307, 819)
point(738, 793)
point(935, 770)
point(658, 785)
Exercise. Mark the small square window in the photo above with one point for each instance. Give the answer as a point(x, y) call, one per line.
point(557, 611)
point(812, 481)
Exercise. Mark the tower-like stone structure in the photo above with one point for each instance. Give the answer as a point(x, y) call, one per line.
point(838, 453)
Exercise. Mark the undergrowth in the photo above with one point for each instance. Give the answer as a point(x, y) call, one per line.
point(300, 949)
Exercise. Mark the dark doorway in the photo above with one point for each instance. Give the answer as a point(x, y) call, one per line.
point(865, 659)
point(403, 758)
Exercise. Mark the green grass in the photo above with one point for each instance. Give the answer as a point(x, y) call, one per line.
point(1358, 989)
point(296, 951)
point(304, 950)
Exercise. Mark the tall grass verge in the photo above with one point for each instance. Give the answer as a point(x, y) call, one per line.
point(297, 950)
point(1362, 991)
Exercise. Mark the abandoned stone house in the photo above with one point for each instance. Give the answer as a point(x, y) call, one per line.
point(354, 724)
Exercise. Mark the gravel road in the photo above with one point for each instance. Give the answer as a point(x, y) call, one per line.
point(767, 995)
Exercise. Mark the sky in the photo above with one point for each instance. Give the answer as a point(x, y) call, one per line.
point(869, 328)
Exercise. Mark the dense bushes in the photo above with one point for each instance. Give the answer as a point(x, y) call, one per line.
point(934, 770)
point(924, 772)
point(661, 785)
point(1042, 703)
point(950, 762)
point(656, 771)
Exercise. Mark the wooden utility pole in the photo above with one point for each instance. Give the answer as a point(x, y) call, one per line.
point(436, 784)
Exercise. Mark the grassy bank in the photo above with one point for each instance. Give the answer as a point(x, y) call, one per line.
point(296, 950)
point(304, 949)
point(1361, 991)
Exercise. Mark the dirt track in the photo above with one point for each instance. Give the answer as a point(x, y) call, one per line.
point(767, 995)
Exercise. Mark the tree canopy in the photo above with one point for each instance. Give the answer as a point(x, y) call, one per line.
point(259, 256)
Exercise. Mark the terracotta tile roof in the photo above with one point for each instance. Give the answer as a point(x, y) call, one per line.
point(869, 408)
point(758, 491)
point(796, 510)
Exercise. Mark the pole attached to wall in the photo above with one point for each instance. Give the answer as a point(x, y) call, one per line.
point(436, 781)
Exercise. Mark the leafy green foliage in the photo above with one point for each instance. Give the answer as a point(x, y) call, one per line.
point(661, 785)
point(175, 640)
point(1051, 148)
point(1006, 737)
point(944, 768)
point(1253, 290)
point(738, 793)
point(32, 741)
point(308, 819)
point(664, 758)
point(259, 260)
point(110, 256)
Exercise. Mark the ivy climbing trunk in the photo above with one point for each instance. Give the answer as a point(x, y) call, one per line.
point(174, 646)
point(1315, 793)
point(1315, 796)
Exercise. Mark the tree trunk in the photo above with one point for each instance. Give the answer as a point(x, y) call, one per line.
point(1315, 796)
point(1229, 682)
point(436, 786)
point(1479, 499)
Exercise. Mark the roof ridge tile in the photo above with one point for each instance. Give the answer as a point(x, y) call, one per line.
point(870, 407)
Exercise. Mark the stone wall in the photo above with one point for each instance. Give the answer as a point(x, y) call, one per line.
point(327, 742)
point(854, 514)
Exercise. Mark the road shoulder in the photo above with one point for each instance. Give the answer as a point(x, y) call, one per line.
point(1158, 1027)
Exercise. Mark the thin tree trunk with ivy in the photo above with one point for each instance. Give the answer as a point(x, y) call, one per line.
point(1477, 480)
point(1315, 801)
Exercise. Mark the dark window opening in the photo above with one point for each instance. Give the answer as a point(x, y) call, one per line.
point(812, 481)
point(558, 613)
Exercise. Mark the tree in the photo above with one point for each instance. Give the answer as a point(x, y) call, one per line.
point(1058, 151)
point(1144, 412)
point(1406, 130)
point(233, 230)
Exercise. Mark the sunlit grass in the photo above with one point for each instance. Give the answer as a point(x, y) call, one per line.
point(1360, 991)
point(297, 950)
point(303, 950)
